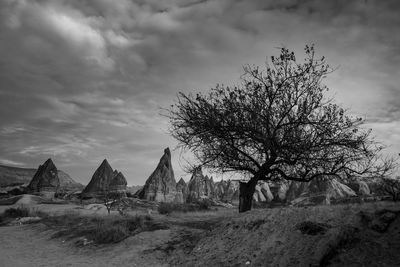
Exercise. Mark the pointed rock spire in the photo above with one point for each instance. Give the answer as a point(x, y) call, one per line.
point(200, 186)
point(182, 191)
point(100, 180)
point(118, 183)
point(161, 185)
point(45, 178)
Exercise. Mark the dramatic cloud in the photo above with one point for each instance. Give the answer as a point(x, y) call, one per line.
point(84, 80)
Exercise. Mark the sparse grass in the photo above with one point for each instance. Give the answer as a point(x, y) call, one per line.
point(168, 208)
point(19, 212)
point(100, 229)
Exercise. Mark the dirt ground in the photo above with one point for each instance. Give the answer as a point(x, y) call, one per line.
point(343, 235)
point(33, 245)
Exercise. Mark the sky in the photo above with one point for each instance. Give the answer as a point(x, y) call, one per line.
point(81, 81)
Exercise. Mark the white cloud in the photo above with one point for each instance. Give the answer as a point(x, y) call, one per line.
point(10, 162)
point(75, 70)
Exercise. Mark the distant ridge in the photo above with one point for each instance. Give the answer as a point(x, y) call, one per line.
point(17, 176)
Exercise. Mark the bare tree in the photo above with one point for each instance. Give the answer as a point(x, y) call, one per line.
point(277, 124)
point(391, 186)
point(112, 199)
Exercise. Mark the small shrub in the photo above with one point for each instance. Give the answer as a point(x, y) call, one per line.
point(106, 233)
point(17, 212)
point(312, 228)
point(166, 208)
point(204, 204)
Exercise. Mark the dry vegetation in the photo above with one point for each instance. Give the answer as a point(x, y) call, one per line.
point(364, 234)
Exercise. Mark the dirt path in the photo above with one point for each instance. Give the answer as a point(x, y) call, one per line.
point(31, 245)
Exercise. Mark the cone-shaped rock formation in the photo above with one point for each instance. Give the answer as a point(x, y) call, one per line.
point(118, 184)
point(227, 191)
point(200, 186)
point(45, 178)
point(182, 191)
point(318, 191)
point(161, 185)
point(100, 181)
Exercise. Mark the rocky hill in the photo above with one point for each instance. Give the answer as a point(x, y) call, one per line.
point(161, 185)
point(323, 190)
point(45, 178)
point(15, 177)
point(67, 183)
point(200, 186)
point(104, 180)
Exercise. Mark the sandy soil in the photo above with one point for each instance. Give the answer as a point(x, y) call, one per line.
point(32, 245)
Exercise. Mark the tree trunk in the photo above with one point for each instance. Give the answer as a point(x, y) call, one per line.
point(246, 191)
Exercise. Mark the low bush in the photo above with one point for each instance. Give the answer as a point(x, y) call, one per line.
point(18, 212)
point(312, 228)
point(11, 214)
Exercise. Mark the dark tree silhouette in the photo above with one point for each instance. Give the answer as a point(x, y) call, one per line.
point(277, 124)
point(391, 186)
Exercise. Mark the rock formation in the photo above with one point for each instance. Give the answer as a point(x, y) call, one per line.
point(262, 192)
point(200, 186)
point(118, 184)
point(258, 196)
point(318, 191)
point(227, 191)
point(67, 183)
point(360, 187)
point(181, 191)
point(161, 185)
point(279, 190)
point(14, 176)
point(45, 179)
point(100, 181)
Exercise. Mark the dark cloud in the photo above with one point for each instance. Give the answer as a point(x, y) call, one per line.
point(83, 80)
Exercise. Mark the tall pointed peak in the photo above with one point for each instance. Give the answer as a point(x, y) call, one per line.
point(181, 181)
point(119, 179)
point(48, 164)
point(105, 164)
point(167, 152)
point(48, 161)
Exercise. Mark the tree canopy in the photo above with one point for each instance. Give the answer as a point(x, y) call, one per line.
point(278, 123)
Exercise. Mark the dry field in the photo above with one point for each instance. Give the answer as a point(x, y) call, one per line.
point(339, 235)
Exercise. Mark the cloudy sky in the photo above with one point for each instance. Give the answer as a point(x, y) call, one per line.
point(81, 81)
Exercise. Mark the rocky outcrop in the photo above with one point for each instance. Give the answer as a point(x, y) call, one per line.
point(200, 186)
point(262, 193)
point(14, 176)
point(15, 180)
point(227, 191)
point(67, 183)
point(99, 184)
point(45, 179)
point(279, 190)
point(318, 191)
point(360, 187)
point(181, 191)
point(161, 185)
point(118, 183)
